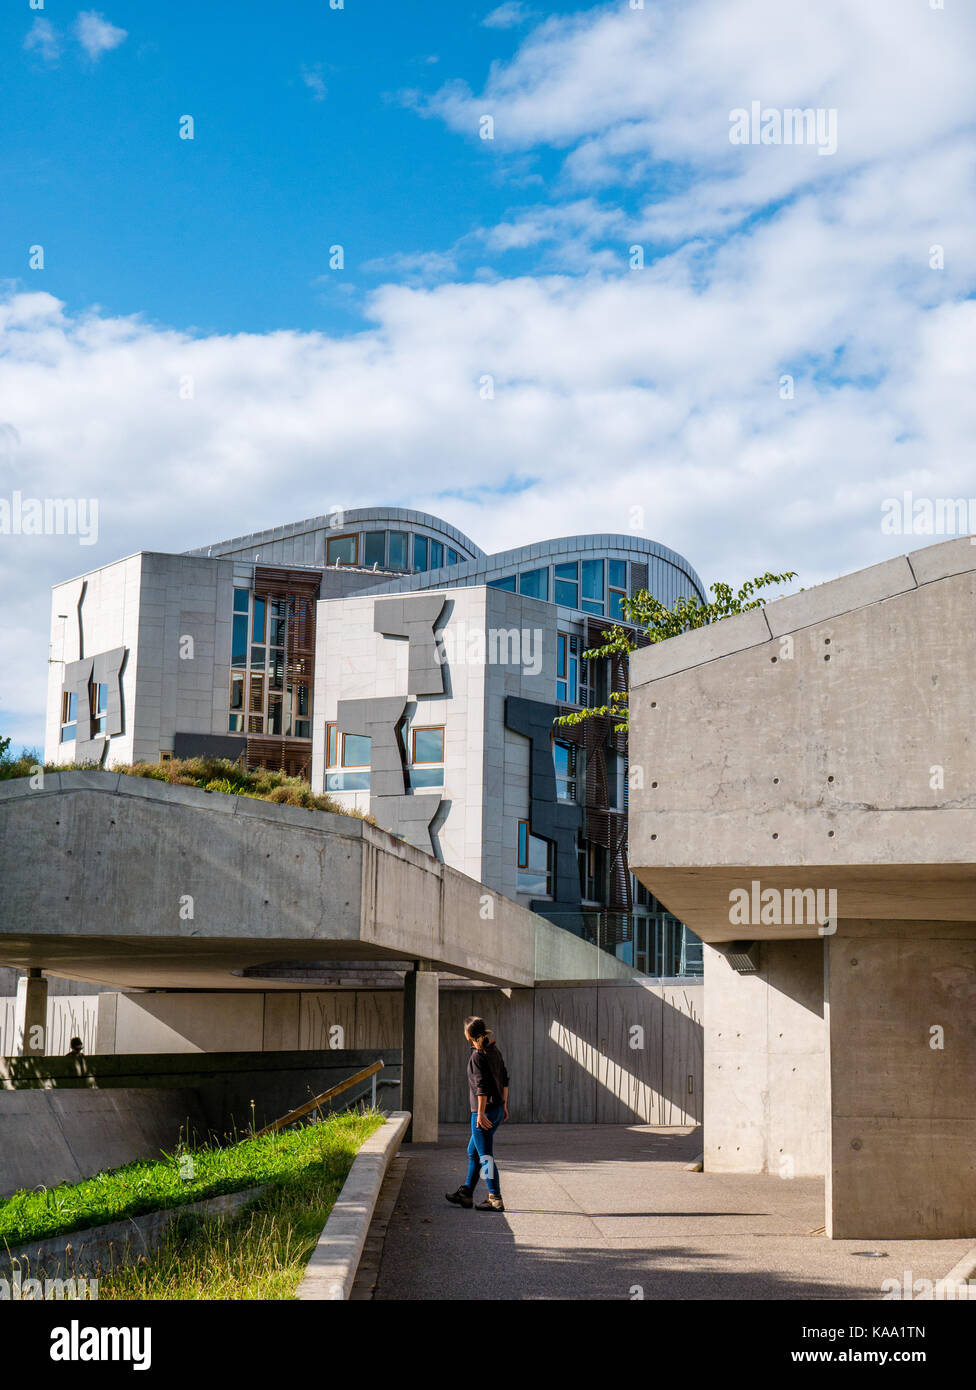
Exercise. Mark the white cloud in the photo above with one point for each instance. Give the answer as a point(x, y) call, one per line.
point(507, 16)
point(643, 97)
point(96, 35)
point(43, 37)
point(314, 81)
point(614, 388)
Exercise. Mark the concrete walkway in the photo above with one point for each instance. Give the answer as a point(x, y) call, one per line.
point(595, 1210)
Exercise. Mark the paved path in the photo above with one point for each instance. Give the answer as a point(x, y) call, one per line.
point(593, 1211)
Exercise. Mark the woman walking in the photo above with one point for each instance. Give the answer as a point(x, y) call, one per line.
point(488, 1097)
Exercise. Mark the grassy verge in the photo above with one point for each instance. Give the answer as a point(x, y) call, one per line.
point(259, 1254)
point(314, 1151)
point(209, 774)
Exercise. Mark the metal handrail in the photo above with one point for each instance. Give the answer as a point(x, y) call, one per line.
point(317, 1101)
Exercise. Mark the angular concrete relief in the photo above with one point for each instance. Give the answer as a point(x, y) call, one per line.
point(558, 821)
point(414, 618)
point(391, 803)
point(377, 720)
point(80, 679)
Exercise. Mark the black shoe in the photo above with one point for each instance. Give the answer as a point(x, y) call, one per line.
point(461, 1198)
point(491, 1204)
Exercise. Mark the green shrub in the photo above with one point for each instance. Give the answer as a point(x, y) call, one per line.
point(217, 775)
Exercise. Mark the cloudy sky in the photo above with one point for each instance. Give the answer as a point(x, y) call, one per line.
point(297, 309)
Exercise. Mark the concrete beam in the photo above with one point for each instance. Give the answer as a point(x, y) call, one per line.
point(134, 883)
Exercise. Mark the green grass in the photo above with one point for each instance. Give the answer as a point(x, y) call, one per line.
point(261, 1253)
point(210, 774)
point(315, 1151)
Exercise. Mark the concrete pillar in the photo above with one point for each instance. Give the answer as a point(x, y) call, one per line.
point(902, 1094)
point(765, 1045)
point(31, 1015)
point(420, 1088)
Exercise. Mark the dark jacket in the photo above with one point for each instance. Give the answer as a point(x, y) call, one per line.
point(486, 1076)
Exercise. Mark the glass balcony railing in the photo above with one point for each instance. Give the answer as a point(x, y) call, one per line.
point(654, 944)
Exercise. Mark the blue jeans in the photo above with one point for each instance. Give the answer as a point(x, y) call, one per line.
point(481, 1159)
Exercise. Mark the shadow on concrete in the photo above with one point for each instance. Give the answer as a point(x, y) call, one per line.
point(560, 1238)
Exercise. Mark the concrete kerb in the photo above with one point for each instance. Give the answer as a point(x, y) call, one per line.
point(956, 1283)
point(99, 1248)
point(335, 1259)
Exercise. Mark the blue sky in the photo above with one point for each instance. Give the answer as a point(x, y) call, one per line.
point(303, 139)
point(790, 347)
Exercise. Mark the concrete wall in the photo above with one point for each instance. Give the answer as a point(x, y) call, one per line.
point(486, 766)
point(65, 1118)
point(902, 1097)
point(68, 1016)
point(599, 1054)
point(825, 742)
point(505, 755)
point(609, 1052)
point(53, 1136)
point(140, 883)
point(101, 613)
point(150, 604)
point(183, 597)
point(765, 1050)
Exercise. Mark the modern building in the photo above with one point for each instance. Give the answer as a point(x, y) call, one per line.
point(384, 656)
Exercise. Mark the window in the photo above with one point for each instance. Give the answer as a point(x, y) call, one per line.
point(591, 866)
point(356, 750)
point(616, 780)
point(427, 757)
point(297, 722)
point(238, 653)
point(69, 716)
point(617, 579)
point(398, 550)
point(428, 745)
point(452, 557)
point(420, 552)
point(534, 583)
point(567, 585)
point(507, 583)
point(374, 549)
point(343, 550)
point(534, 872)
point(567, 668)
point(564, 758)
point(255, 707)
point(330, 745)
point(592, 586)
point(436, 555)
point(262, 699)
point(98, 701)
point(166, 756)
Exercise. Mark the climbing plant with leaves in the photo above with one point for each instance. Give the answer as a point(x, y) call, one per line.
point(659, 622)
